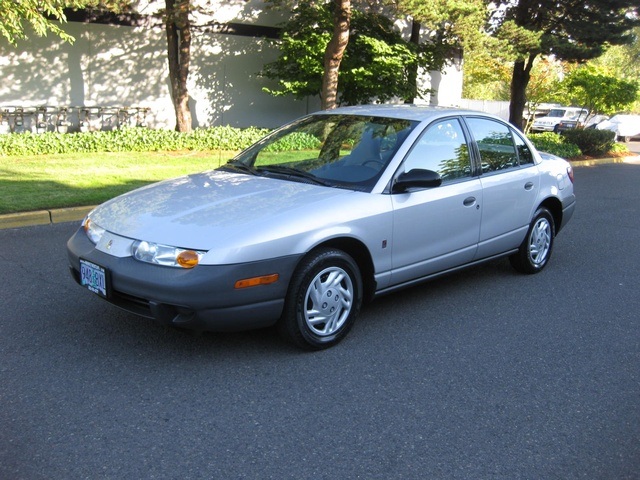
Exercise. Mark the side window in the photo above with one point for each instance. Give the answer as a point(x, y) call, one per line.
point(497, 150)
point(443, 149)
point(524, 153)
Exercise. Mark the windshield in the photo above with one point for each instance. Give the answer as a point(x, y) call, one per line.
point(347, 151)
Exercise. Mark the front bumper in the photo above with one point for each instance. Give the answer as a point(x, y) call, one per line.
point(202, 298)
point(543, 128)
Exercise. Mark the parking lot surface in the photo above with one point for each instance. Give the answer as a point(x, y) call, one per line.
point(482, 374)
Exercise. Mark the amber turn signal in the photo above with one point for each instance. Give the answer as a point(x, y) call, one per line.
point(252, 282)
point(187, 259)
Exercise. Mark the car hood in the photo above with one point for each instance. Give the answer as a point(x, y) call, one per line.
point(206, 209)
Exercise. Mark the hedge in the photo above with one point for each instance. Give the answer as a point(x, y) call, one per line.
point(214, 138)
point(591, 141)
point(129, 140)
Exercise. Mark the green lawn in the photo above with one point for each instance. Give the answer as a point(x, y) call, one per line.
point(54, 181)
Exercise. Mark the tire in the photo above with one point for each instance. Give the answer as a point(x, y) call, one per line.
point(323, 301)
point(535, 250)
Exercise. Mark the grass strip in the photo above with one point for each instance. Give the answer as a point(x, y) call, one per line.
point(30, 183)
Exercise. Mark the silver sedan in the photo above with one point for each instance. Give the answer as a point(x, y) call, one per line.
point(322, 215)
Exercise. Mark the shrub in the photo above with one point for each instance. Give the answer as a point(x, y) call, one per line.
point(591, 141)
point(619, 148)
point(555, 144)
point(129, 140)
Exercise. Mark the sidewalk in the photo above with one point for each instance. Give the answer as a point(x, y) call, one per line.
point(76, 214)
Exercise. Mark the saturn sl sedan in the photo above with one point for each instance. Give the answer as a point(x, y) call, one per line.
point(322, 215)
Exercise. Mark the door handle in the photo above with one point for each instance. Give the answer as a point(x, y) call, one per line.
point(528, 185)
point(469, 201)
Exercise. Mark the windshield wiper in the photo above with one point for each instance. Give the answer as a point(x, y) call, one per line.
point(239, 166)
point(293, 172)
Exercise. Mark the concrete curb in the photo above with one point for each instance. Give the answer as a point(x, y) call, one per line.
point(75, 214)
point(603, 161)
point(43, 217)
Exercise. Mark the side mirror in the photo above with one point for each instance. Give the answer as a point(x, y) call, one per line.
point(416, 178)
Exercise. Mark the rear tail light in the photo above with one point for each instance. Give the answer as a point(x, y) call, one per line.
point(570, 173)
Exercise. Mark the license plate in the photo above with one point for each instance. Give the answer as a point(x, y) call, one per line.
point(94, 278)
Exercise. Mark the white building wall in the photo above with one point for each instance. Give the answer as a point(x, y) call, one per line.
point(123, 66)
point(226, 89)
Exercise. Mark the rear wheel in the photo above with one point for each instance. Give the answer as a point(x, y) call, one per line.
point(535, 250)
point(323, 301)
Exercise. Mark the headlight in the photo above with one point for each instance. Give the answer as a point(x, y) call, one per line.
point(165, 255)
point(93, 231)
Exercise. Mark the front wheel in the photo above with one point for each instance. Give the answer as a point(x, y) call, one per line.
point(323, 300)
point(535, 250)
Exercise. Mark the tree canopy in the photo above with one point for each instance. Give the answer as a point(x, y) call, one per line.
point(376, 63)
point(17, 16)
point(571, 30)
point(599, 92)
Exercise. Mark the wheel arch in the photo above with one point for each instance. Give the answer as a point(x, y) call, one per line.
point(360, 253)
point(555, 207)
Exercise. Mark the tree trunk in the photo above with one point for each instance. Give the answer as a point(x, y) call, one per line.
point(519, 82)
point(179, 55)
point(334, 53)
point(412, 70)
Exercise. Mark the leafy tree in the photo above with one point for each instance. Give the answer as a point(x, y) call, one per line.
point(17, 15)
point(451, 27)
point(375, 66)
point(623, 62)
point(571, 30)
point(600, 93)
point(485, 76)
point(452, 23)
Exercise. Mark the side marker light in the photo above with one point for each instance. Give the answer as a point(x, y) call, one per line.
point(255, 281)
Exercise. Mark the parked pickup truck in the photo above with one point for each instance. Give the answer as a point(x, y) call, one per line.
point(550, 122)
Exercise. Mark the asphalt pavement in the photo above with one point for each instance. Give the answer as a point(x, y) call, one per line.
point(486, 374)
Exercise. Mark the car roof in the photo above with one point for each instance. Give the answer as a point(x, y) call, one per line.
point(403, 111)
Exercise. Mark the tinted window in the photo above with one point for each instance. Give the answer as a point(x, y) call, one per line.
point(443, 149)
point(497, 150)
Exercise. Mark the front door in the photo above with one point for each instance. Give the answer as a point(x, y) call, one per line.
point(438, 228)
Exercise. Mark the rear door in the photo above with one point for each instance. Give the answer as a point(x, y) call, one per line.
point(438, 228)
point(510, 185)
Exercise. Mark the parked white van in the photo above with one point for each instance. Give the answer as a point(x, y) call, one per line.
point(549, 123)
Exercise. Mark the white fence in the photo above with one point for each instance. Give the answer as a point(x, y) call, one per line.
point(499, 108)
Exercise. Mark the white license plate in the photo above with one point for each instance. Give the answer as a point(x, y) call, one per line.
point(94, 278)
